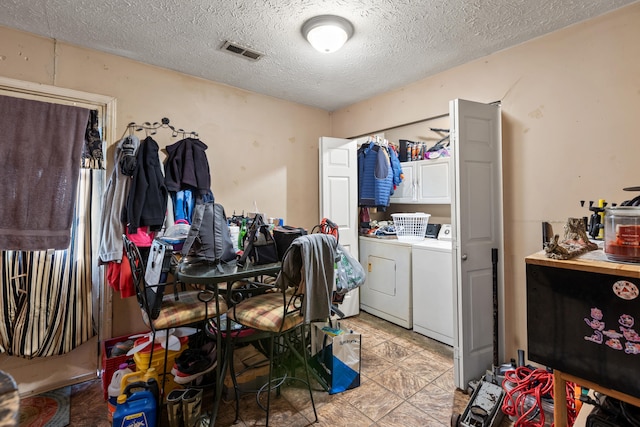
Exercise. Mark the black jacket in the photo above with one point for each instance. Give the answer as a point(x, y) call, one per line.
point(147, 201)
point(187, 167)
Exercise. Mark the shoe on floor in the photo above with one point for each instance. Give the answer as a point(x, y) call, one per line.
point(174, 407)
point(195, 364)
point(191, 406)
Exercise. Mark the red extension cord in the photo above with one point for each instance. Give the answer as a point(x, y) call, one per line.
point(533, 383)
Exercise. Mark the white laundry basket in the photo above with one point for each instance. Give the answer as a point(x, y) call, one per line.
point(410, 227)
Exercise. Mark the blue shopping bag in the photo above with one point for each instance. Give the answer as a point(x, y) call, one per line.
point(336, 356)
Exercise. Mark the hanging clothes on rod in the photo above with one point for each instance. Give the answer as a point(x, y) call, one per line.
point(141, 192)
point(186, 169)
point(379, 172)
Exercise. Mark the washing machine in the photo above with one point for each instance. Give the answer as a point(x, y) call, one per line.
point(431, 264)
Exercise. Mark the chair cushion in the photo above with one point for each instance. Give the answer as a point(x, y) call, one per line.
point(186, 310)
point(265, 313)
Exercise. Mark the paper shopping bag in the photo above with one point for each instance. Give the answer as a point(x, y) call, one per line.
point(335, 357)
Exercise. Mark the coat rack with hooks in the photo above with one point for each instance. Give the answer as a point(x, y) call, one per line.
point(164, 123)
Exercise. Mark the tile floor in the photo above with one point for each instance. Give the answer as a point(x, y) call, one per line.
point(406, 380)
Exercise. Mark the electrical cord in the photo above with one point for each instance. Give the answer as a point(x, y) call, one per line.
point(524, 390)
point(618, 410)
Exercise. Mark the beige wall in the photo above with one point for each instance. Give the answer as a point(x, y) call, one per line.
point(570, 103)
point(570, 109)
point(261, 149)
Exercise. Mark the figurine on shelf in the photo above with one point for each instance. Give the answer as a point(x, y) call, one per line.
point(575, 241)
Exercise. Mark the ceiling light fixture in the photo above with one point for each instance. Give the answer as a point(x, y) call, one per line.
point(327, 33)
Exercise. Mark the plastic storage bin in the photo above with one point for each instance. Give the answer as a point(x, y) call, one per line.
point(141, 358)
point(111, 364)
point(411, 227)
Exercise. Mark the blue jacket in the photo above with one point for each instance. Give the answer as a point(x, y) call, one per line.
point(396, 166)
point(375, 176)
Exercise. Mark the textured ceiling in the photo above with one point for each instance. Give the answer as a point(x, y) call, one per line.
point(396, 42)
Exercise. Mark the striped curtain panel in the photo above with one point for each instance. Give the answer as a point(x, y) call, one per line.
point(46, 296)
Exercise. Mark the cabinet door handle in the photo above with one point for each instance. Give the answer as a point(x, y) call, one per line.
point(464, 257)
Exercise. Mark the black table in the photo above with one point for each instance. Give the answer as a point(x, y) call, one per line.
point(210, 275)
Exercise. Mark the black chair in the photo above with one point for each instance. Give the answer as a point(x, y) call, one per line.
point(163, 311)
point(304, 284)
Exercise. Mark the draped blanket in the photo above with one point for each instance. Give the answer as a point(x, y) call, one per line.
point(40, 151)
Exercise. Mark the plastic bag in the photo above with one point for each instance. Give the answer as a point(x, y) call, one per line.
point(349, 272)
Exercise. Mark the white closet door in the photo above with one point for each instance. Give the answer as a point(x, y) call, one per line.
point(339, 188)
point(477, 218)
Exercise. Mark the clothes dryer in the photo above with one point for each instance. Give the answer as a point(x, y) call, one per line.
point(386, 292)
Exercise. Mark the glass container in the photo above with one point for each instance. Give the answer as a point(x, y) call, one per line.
point(622, 233)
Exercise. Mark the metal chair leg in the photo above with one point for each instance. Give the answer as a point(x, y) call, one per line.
point(306, 370)
point(271, 361)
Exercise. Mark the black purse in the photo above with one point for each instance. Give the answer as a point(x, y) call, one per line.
point(284, 235)
point(259, 245)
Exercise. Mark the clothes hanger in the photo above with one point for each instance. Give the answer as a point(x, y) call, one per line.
point(440, 144)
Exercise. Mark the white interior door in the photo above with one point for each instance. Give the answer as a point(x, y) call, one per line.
point(339, 201)
point(477, 228)
point(339, 188)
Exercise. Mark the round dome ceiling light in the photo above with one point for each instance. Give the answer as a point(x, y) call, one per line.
point(327, 33)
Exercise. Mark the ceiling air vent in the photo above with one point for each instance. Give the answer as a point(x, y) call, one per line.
point(245, 52)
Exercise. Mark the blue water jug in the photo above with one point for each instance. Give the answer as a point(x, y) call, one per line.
point(137, 408)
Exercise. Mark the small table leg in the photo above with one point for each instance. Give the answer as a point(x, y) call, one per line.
point(559, 400)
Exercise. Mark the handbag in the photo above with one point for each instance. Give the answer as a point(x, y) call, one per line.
point(259, 245)
point(284, 235)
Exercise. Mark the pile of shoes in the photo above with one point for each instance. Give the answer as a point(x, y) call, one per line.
point(194, 363)
point(184, 407)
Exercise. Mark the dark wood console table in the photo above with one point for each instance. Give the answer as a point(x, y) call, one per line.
point(582, 318)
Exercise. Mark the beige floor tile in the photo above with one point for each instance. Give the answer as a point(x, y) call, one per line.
point(424, 365)
point(372, 364)
point(445, 381)
point(281, 412)
point(445, 359)
point(434, 401)
point(343, 415)
point(391, 351)
point(407, 415)
point(400, 381)
point(373, 400)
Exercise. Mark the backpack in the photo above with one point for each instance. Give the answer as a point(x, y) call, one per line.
point(209, 238)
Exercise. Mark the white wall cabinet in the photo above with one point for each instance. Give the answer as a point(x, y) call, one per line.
point(425, 182)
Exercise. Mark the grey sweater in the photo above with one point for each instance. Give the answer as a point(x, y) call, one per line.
point(310, 264)
point(113, 201)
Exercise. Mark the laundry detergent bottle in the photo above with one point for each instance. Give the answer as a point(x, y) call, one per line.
point(114, 387)
point(138, 408)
